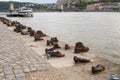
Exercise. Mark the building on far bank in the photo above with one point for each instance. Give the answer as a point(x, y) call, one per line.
point(67, 5)
point(90, 0)
point(119, 5)
point(70, 4)
point(91, 7)
point(110, 6)
point(94, 7)
point(103, 7)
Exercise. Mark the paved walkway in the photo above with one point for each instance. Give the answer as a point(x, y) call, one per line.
point(16, 58)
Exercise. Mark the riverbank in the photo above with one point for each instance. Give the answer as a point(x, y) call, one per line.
point(65, 69)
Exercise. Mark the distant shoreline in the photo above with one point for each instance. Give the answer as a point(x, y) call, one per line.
point(69, 11)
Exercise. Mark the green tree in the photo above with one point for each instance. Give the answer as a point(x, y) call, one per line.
point(81, 5)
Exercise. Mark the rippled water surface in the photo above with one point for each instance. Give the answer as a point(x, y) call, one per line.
point(98, 30)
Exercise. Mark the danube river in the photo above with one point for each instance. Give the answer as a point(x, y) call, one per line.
point(100, 31)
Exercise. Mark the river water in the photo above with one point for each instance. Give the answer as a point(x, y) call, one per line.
point(100, 31)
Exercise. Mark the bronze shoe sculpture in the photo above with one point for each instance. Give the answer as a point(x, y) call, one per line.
point(98, 68)
point(54, 53)
point(79, 47)
point(57, 54)
point(80, 60)
point(41, 34)
point(48, 43)
point(31, 32)
point(56, 46)
point(37, 37)
point(67, 47)
point(53, 41)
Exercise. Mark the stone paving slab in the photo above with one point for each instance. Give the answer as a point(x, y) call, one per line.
point(16, 58)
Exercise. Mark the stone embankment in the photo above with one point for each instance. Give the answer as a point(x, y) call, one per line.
point(16, 58)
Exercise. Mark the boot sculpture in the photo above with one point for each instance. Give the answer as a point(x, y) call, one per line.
point(37, 37)
point(19, 28)
point(29, 29)
point(80, 60)
point(67, 47)
point(53, 41)
point(80, 48)
point(98, 68)
point(54, 53)
point(32, 33)
point(56, 46)
point(41, 34)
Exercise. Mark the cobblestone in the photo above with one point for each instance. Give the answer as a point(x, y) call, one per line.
point(10, 77)
point(16, 58)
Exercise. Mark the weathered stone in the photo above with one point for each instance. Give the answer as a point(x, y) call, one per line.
point(41, 68)
point(20, 78)
point(32, 68)
point(10, 72)
point(18, 71)
point(10, 77)
point(1, 70)
point(20, 75)
point(17, 67)
point(2, 75)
